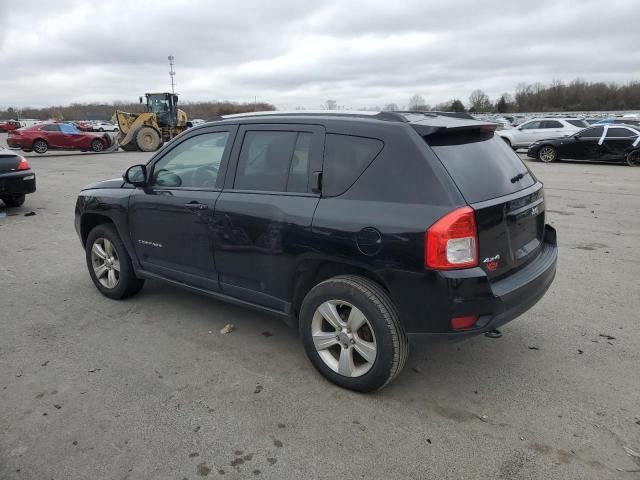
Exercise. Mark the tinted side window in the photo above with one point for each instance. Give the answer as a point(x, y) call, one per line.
point(551, 124)
point(345, 158)
point(194, 163)
point(595, 132)
point(265, 160)
point(50, 128)
point(578, 123)
point(619, 132)
point(298, 180)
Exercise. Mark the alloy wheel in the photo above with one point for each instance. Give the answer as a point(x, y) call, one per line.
point(105, 262)
point(547, 154)
point(633, 159)
point(343, 338)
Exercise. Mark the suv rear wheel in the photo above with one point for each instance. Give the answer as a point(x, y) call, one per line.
point(109, 263)
point(13, 201)
point(351, 333)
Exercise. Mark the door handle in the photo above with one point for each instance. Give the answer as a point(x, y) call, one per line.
point(196, 205)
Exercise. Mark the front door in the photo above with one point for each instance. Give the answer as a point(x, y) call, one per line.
point(263, 217)
point(171, 218)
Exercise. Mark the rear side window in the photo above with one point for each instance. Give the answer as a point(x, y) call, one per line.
point(619, 133)
point(481, 164)
point(578, 123)
point(274, 161)
point(345, 158)
point(551, 124)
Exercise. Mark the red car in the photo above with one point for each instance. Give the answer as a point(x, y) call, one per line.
point(57, 136)
point(9, 125)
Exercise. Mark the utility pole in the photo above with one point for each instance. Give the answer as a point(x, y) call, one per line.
point(172, 73)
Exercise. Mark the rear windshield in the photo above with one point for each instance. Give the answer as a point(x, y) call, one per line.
point(481, 164)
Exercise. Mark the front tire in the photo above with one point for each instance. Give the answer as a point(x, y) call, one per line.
point(109, 263)
point(40, 146)
point(547, 154)
point(148, 139)
point(351, 333)
point(97, 145)
point(14, 200)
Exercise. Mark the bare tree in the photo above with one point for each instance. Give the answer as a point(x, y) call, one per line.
point(417, 103)
point(330, 105)
point(479, 101)
point(390, 107)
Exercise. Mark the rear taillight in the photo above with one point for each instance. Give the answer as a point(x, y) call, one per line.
point(462, 323)
point(23, 165)
point(452, 242)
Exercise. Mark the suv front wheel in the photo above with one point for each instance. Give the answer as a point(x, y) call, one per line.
point(351, 333)
point(109, 263)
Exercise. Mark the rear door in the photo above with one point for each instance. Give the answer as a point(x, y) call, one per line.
point(553, 129)
point(507, 199)
point(263, 217)
point(617, 141)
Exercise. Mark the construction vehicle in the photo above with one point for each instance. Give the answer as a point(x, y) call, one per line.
point(160, 122)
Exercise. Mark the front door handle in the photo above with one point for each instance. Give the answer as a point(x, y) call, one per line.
point(196, 205)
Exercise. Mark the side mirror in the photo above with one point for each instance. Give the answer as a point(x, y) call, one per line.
point(576, 136)
point(136, 175)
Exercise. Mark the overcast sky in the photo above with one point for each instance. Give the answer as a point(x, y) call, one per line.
point(301, 53)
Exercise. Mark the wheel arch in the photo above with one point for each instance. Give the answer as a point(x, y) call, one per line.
point(310, 272)
point(89, 221)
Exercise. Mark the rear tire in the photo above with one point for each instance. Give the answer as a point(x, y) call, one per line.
point(547, 154)
point(97, 145)
point(633, 159)
point(109, 263)
point(40, 146)
point(351, 333)
point(148, 139)
point(14, 200)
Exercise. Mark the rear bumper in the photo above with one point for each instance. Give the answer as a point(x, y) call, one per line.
point(17, 183)
point(502, 300)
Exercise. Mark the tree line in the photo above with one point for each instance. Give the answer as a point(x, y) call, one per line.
point(105, 111)
point(578, 95)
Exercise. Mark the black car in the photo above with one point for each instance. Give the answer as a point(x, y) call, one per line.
point(16, 178)
point(363, 231)
point(602, 143)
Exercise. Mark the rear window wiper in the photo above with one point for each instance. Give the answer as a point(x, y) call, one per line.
point(519, 177)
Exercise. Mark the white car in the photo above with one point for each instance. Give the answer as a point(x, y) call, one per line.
point(539, 129)
point(104, 127)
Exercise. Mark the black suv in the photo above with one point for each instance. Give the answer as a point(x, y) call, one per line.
point(361, 230)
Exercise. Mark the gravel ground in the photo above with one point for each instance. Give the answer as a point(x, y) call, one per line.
point(148, 388)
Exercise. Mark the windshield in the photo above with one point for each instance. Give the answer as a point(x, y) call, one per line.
point(158, 104)
point(481, 164)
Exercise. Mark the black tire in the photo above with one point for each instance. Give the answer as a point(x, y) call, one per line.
point(633, 159)
point(97, 145)
point(392, 347)
point(127, 283)
point(148, 139)
point(40, 146)
point(129, 147)
point(13, 200)
point(101, 129)
point(547, 154)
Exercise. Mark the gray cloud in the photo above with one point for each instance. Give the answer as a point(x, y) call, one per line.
point(299, 53)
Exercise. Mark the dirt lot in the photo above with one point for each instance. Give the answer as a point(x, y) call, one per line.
point(148, 388)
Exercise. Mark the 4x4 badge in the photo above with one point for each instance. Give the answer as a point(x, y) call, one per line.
point(491, 263)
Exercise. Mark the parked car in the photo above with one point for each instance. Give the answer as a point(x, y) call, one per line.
point(361, 230)
point(540, 128)
point(57, 136)
point(16, 178)
point(602, 143)
point(104, 127)
point(83, 126)
point(9, 125)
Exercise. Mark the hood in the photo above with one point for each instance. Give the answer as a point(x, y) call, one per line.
point(113, 183)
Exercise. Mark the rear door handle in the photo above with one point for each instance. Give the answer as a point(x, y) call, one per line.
point(196, 205)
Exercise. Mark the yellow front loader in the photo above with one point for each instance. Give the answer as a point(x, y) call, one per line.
point(147, 131)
